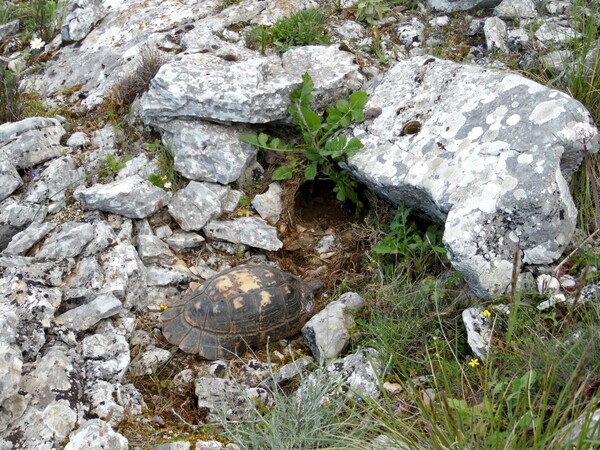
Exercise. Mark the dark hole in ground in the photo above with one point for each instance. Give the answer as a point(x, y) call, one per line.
point(316, 216)
point(316, 204)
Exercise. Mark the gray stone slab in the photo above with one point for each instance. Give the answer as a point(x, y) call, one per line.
point(86, 316)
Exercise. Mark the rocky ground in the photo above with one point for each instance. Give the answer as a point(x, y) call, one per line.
point(115, 201)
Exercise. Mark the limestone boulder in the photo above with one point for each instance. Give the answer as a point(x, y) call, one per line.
point(252, 231)
point(244, 88)
point(96, 433)
point(483, 151)
point(30, 141)
point(67, 241)
point(193, 206)
point(206, 151)
point(131, 197)
point(52, 183)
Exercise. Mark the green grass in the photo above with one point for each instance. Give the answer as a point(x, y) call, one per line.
point(310, 422)
point(305, 27)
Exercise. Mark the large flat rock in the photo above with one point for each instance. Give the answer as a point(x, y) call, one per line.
point(243, 87)
point(484, 152)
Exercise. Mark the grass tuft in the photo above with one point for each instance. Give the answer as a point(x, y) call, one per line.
point(305, 27)
point(136, 82)
point(310, 422)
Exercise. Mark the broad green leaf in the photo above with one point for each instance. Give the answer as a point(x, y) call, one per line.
point(312, 155)
point(342, 105)
point(283, 173)
point(357, 116)
point(263, 139)
point(249, 139)
point(353, 146)
point(334, 147)
point(310, 172)
point(312, 120)
point(358, 100)
point(303, 94)
point(341, 193)
point(155, 180)
point(385, 248)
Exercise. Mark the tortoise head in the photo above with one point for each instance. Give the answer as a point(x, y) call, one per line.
point(310, 289)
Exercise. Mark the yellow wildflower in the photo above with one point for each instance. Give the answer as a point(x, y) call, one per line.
point(486, 313)
point(162, 306)
point(164, 178)
point(474, 362)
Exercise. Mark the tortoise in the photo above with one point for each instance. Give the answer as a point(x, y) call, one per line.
point(239, 308)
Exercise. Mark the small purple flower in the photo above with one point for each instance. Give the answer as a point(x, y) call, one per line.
point(32, 174)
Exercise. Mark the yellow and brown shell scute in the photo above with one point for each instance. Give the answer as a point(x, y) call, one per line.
point(242, 307)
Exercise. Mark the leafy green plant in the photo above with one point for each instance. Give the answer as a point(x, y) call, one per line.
point(168, 178)
point(301, 28)
point(45, 18)
point(323, 147)
point(370, 10)
point(111, 166)
point(414, 253)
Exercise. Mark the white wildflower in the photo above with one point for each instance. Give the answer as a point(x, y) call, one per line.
point(37, 44)
point(168, 185)
point(584, 132)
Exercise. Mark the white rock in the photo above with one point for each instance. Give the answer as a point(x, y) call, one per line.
point(10, 180)
point(31, 141)
point(495, 34)
point(89, 314)
point(149, 361)
point(131, 197)
point(479, 332)
point(270, 204)
point(96, 434)
point(193, 206)
point(327, 333)
point(480, 118)
point(521, 9)
point(252, 231)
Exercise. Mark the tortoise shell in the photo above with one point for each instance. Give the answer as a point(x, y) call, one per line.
point(239, 308)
